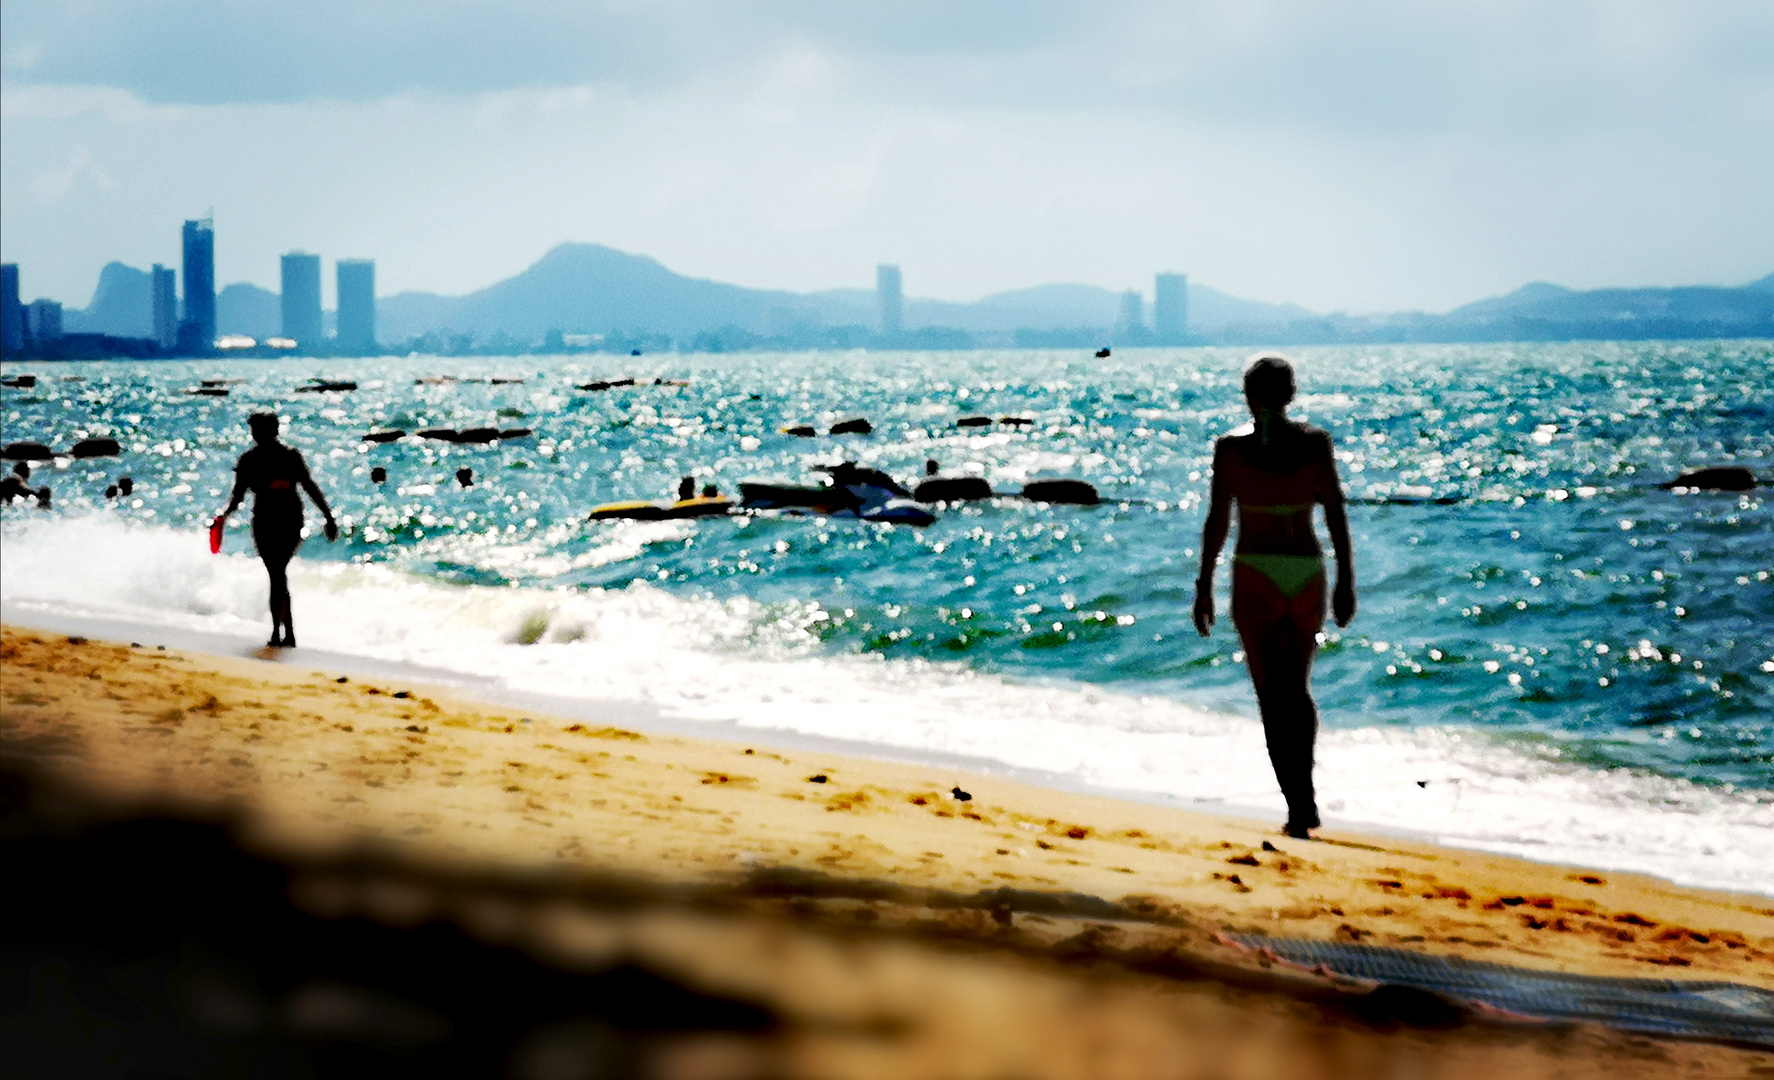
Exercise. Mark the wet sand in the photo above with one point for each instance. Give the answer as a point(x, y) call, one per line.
point(897, 929)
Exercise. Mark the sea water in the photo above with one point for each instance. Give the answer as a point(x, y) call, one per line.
point(1553, 657)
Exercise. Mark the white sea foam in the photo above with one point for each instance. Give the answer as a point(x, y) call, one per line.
point(742, 663)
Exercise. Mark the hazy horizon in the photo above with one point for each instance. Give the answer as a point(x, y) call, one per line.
point(1344, 158)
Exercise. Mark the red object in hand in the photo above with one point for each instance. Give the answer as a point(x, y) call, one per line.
point(215, 536)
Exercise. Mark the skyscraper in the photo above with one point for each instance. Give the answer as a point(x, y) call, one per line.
point(1131, 326)
point(301, 300)
point(357, 305)
point(1170, 308)
point(46, 319)
point(12, 313)
point(197, 331)
point(165, 292)
point(890, 295)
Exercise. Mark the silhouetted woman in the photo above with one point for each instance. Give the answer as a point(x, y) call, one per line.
point(1276, 475)
point(273, 472)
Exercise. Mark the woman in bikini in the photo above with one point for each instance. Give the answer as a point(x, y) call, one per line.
point(1276, 475)
point(274, 472)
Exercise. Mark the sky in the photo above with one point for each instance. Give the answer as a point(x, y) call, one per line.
point(1353, 157)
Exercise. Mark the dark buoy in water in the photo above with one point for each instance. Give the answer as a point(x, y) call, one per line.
point(858, 426)
point(465, 476)
point(378, 475)
point(1070, 492)
point(1102, 352)
point(91, 448)
point(1718, 478)
point(634, 352)
point(960, 796)
point(952, 489)
point(27, 451)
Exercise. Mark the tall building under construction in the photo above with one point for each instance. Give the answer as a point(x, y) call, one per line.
point(197, 330)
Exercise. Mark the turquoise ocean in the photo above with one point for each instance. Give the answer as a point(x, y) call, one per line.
point(1554, 656)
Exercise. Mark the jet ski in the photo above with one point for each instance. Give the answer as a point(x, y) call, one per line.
point(858, 492)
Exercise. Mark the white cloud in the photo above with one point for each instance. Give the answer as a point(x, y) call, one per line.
point(1357, 157)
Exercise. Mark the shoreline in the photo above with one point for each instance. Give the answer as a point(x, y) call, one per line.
point(1013, 831)
point(650, 717)
point(717, 861)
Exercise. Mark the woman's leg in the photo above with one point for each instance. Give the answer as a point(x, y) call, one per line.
point(282, 632)
point(277, 541)
point(1279, 633)
point(1280, 674)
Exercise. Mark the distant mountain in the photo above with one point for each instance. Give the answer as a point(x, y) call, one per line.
point(122, 305)
point(1539, 311)
point(588, 288)
point(247, 309)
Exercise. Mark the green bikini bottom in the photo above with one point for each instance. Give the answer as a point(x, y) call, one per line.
point(1292, 574)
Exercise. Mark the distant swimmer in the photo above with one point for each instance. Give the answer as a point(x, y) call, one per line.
point(16, 485)
point(711, 491)
point(465, 476)
point(931, 468)
point(687, 488)
point(276, 474)
point(1102, 353)
point(126, 486)
point(378, 475)
point(13, 486)
point(43, 496)
point(1277, 474)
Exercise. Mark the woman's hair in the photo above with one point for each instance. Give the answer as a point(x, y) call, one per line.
point(262, 421)
point(1269, 381)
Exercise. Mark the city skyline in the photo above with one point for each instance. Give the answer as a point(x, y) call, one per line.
point(1378, 158)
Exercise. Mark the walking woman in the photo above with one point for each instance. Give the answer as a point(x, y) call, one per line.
point(273, 472)
point(1276, 475)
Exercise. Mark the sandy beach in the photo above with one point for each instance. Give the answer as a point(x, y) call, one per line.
point(1006, 930)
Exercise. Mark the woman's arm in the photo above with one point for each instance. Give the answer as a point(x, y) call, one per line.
point(238, 494)
point(1337, 521)
point(1213, 539)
